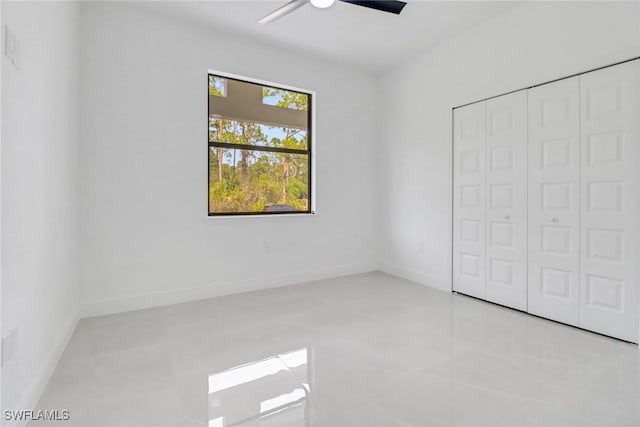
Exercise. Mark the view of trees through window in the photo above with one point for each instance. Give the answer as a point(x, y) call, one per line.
point(259, 150)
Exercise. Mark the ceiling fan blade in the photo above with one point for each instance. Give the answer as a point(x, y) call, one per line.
point(282, 11)
point(390, 6)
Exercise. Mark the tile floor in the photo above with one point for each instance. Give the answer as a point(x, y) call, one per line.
point(364, 350)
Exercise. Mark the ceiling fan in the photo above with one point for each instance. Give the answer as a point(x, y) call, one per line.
point(391, 6)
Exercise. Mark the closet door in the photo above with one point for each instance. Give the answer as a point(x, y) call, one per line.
point(610, 255)
point(469, 173)
point(554, 201)
point(506, 251)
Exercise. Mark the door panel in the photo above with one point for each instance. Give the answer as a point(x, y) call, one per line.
point(469, 148)
point(554, 201)
point(568, 250)
point(506, 249)
point(610, 114)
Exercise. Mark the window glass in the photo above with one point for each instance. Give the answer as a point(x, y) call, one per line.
point(217, 86)
point(259, 156)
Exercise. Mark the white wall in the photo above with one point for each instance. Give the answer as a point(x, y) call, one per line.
point(533, 43)
point(39, 194)
point(145, 236)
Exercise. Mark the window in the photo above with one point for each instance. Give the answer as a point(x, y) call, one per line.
point(259, 148)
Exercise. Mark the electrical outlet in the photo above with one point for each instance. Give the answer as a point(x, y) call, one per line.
point(11, 46)
point(9, 343)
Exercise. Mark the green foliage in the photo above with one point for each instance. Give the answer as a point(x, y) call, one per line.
point(287, 99)
point(246, 180)
point(268, 179)
point(217, 86)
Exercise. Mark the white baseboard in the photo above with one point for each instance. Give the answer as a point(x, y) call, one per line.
point(157, 299)
point(439, 283)
point(41, 379)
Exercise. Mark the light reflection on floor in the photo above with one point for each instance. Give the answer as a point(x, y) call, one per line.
point(265, 391)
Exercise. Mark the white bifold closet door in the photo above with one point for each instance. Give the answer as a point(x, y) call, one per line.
point(469, 175)
point(610, 214)
point(554, 200)
point(584, 200)
point(506, 213)
point(546, 204)
point(489, 230)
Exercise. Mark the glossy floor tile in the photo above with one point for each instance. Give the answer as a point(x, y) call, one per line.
point(364, 350)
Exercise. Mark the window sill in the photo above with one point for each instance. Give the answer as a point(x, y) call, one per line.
point(260, 218)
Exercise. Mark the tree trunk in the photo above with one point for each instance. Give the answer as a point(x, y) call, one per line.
point(220, 151)
point(285, 180)
point(244, 162)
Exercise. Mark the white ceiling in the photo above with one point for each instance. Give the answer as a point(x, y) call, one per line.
point(348, 33)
